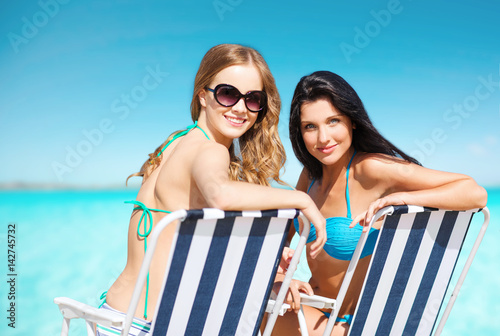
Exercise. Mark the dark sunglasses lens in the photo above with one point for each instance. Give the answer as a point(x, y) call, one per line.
point(227, 95)
point(255, 101)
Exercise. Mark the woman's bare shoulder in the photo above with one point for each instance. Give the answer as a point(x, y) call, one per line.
point(196, 146)
point(370, 168)
point(304, 180)
point(372, 162)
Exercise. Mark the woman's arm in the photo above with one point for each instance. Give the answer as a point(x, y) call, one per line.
point(210, 172)
point(407, 183)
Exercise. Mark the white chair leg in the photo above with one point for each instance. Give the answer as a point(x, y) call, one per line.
point(65, 327)
point(90, 328)
point(302, 322)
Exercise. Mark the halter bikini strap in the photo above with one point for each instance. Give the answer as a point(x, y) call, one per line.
point(310, 186)
point(182, 133)
point(347, 186)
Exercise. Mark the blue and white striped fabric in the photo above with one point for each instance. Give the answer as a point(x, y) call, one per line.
point(410, 271)
point(221, 272)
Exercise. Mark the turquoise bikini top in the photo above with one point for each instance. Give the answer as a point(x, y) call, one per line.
point(146, 220)
point(342, 240)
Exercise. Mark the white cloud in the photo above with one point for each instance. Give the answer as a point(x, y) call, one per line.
point(477, 150)
point(491, 140)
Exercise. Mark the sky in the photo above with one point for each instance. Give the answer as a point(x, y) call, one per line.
point(89, 88)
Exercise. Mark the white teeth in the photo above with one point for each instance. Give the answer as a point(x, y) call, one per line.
point(238, 121)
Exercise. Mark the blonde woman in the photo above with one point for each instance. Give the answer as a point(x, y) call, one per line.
point(235, 97)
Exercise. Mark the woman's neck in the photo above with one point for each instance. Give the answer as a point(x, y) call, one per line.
point(213, 133)
point(336, 171)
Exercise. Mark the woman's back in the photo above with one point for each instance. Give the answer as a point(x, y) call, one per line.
point(169, 187)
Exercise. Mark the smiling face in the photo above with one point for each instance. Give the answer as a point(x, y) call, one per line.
point(228, 123)
point(327, 133)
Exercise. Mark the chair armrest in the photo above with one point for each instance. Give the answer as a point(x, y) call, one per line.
point(317, 301)
point(270, 306)
point(71, 309)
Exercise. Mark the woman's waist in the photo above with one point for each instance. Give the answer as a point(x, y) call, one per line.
point(327, 276)
point(348, 305)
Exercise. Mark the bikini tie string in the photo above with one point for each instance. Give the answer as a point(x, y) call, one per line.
point(103, 298)
point(147, 218)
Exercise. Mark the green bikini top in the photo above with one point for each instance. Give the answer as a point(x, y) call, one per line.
point(146, 220)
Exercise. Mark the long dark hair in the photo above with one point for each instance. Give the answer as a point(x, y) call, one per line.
point(330, 86)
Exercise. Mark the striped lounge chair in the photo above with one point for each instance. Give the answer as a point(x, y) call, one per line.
point(219, 276)
point(410, 270)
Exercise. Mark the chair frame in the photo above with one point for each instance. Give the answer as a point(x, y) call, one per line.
point(71, 309)
point(387, 211)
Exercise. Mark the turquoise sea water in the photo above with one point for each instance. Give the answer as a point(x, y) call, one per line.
point(73, 243)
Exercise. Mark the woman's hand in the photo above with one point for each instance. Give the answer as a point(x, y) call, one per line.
point(316, 218)
point(365, 218)
point(293, 295)
point(286, 257)
point(296, 286)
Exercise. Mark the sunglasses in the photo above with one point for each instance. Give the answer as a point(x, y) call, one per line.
point(227, 95)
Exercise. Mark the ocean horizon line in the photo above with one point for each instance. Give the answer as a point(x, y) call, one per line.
point(29, 186)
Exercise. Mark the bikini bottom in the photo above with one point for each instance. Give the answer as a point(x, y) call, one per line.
point(139, 326)
point(346, 318)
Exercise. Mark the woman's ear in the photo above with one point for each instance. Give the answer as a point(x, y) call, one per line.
point(353, 126)
point(202, 98)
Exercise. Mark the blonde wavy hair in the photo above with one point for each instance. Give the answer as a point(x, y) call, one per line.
point(260, 154)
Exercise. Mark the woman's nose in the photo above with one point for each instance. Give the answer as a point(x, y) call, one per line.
point(240, 106)
point(322, 135)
